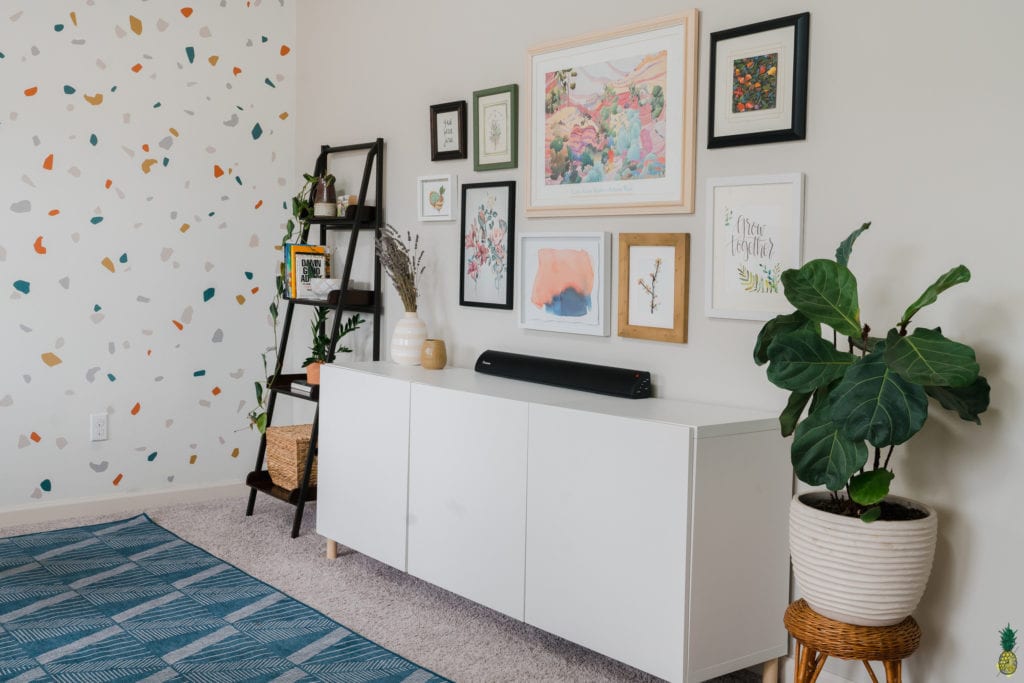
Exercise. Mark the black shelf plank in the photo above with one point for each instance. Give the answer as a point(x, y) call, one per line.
point(261, 482)
point(348, 221)
point(360, 300)
point(283, 385)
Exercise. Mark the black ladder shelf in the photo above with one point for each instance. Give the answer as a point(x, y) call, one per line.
point(346, 301)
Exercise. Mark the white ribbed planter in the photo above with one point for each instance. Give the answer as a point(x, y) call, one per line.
point(866, 574)
point(407, 340)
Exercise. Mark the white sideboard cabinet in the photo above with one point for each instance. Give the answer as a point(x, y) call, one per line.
point(652, 531)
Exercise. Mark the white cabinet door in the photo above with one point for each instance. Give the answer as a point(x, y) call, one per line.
point(467, 495)
point(607, 535)
point(362, 473)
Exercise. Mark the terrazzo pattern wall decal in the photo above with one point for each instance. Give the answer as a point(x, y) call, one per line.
point(140, 143)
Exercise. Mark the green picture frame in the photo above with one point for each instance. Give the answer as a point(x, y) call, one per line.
point(496, 128)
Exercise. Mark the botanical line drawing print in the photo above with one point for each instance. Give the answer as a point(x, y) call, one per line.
point(650, 289)
point(755, 83)
point(605, 122)
point(487, 243)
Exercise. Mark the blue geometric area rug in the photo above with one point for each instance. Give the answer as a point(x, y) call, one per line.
point(130, 601)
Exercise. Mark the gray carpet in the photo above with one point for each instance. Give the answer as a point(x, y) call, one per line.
point(432, 627)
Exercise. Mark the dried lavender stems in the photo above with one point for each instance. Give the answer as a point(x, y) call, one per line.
point(402, 260)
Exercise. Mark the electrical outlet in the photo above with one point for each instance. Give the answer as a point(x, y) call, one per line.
point(98, 427)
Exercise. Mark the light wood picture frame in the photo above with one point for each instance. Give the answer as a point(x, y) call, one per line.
point(612, 121)
point(654, 285)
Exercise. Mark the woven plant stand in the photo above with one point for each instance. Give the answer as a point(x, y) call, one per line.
point(818, 638)
point(287, 449)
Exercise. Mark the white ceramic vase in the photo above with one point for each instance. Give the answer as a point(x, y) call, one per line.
point(870, 574)
point(407, 340)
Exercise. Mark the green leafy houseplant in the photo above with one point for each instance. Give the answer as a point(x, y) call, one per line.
point(320, 348)
point(302, 212)
point(872, 393)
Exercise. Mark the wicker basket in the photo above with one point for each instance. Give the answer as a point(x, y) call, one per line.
point(287, 448)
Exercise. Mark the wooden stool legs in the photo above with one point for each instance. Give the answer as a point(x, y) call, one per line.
point(818, 638)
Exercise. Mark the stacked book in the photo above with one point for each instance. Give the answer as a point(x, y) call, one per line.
point(300, 386)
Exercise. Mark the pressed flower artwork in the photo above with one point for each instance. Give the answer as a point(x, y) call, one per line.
point(755, 83)
point(488, 214)
point(653, 285)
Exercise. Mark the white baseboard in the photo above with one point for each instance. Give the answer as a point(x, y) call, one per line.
point(47, 512)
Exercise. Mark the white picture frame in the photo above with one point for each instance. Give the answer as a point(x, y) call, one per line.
point(755, 232)
point(436, 196)
point(564, 282)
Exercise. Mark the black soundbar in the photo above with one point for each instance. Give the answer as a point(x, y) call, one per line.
point(599, 379)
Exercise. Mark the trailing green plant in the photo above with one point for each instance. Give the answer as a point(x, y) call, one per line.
point(872, 393)
point(302, 212)
point(320, 348)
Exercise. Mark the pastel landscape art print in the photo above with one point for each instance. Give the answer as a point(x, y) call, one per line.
point(606, 121)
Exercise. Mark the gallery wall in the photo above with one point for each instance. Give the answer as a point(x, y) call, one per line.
point(147, 151)
point(910, 126)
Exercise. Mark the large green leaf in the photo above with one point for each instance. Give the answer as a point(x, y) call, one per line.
point(825, 292)
point(874, 403)
point(789, 322)
point(846, 246)
point(954, 276)
point(869, 488)
point(928, 358)
point(821, 394)
point(792, 412)
point(822, 455)
point(803, 361)
point(968, 402)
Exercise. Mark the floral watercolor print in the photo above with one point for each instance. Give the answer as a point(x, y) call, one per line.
point(564, 283)
point(755, 83)
point(652, 286)
point(486, 247)
point(605, 122)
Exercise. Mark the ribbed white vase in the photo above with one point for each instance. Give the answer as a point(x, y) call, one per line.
point(407, 340)
point(869, 574)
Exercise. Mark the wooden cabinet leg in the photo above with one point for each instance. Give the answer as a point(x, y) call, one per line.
point(770, 671)
point(332, 549)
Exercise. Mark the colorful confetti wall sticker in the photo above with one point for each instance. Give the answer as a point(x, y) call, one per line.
point(85, 99)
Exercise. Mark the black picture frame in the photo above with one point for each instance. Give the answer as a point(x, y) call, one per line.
point(797, 75)
point(457, 136)
point(474, 205)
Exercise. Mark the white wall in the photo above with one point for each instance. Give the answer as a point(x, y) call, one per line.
point(912, 123)
point(115, 329)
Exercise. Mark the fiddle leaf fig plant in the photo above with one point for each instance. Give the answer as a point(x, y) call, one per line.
point(863, 394)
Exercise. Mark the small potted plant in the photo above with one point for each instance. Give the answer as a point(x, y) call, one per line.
point(860, 555)
point(320, 346)
point(402, 260)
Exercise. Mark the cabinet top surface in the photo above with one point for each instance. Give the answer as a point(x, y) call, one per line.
point(706, 419)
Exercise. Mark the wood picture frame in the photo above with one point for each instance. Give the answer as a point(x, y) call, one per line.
point(645, 259)
point(436, 197)
point(564, 283)
point(757, 89)
point(755, 229)
point(496, 128)
point(487, 239)
point(612, 124)
point(448, 131)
